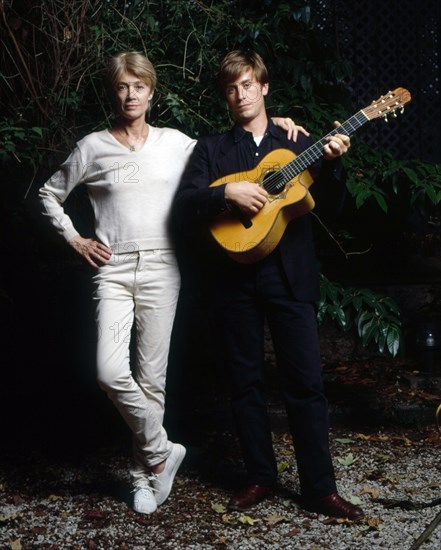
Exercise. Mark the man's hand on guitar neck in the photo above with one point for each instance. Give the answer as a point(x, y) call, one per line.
point(249, 197)
point(337, 145)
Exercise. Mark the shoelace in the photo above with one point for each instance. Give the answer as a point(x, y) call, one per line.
point(152, 478)
point(144, 487)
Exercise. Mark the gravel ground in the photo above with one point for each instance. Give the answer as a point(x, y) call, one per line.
point(81, 502)
point(64, 476)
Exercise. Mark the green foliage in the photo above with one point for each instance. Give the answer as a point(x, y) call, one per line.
point(376, 174)
point(18, 142)
point(376, 317)
point(53, 54)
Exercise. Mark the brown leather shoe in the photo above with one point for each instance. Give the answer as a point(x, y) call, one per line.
point(335, 506)
point(248, 497)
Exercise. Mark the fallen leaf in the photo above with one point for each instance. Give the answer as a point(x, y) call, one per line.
point(344, 440)
point(373, 491)
point(348, 460)
point(248, 520)
point(306, 524)
point(433, 438)
point(218, 508)
point(275, 518)
point(8, 517)
point(227, 518)
point(282, 466)
point(354, 500)
point(372, 524)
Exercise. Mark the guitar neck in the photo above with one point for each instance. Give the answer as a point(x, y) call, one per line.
point(315, 151)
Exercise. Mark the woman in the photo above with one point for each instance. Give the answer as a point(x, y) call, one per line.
point(131, 172)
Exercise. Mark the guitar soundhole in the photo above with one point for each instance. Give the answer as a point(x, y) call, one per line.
point(273, 182)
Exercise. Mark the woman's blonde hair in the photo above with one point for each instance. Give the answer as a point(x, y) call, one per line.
point(238, 61)
point(134, 62)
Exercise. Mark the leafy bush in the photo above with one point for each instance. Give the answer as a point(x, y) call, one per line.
point(376, 317)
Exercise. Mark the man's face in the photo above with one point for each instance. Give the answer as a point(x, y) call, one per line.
point(246, 97)
point(132, 96)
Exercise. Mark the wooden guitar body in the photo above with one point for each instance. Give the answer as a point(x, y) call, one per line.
point(265, 229)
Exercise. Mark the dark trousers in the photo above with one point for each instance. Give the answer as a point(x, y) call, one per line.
point(244, 298)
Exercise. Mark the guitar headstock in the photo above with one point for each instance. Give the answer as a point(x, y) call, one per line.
point(388, 104)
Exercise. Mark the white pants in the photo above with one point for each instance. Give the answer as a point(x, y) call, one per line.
point(142, 288)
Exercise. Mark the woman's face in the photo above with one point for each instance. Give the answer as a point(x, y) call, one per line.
point(132, 97)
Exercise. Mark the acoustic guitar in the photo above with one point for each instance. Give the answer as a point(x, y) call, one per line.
point(285, 176)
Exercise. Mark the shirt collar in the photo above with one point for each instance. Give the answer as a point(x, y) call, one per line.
point(239, 133)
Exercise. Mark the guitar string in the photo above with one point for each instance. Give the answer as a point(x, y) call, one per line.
point(309, 155)
point(277, 180)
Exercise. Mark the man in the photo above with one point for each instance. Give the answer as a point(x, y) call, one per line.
point(282, 287)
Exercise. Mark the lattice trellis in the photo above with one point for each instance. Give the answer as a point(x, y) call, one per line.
point(393, 43)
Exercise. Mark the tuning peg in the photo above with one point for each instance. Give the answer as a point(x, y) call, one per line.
point(385, 118)
point(394, 114)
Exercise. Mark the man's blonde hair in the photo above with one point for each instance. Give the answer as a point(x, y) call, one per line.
point(238, 61)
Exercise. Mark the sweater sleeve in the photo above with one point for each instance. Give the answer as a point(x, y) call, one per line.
point(55, 191)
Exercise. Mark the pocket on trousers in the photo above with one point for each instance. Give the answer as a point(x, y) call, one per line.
point(168, 257)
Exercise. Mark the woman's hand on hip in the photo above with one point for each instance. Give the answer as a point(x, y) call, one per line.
point(94, 252)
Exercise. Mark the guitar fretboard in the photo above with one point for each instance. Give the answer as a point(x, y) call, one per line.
point(275, 182)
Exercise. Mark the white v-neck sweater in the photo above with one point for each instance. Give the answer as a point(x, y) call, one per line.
point(131, 192)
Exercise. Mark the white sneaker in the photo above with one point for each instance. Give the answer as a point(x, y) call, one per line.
point(144, 501)
point(162, 483)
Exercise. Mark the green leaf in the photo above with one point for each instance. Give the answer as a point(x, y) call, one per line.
point(282, 467)
point(369, 331)
point(393, 341)
point(344, 440)
point(348, 460)
point(37, 130)
point(218, 508)
point(431, 193)
point(248, 520)
point(380, 200)
point(411, 174)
